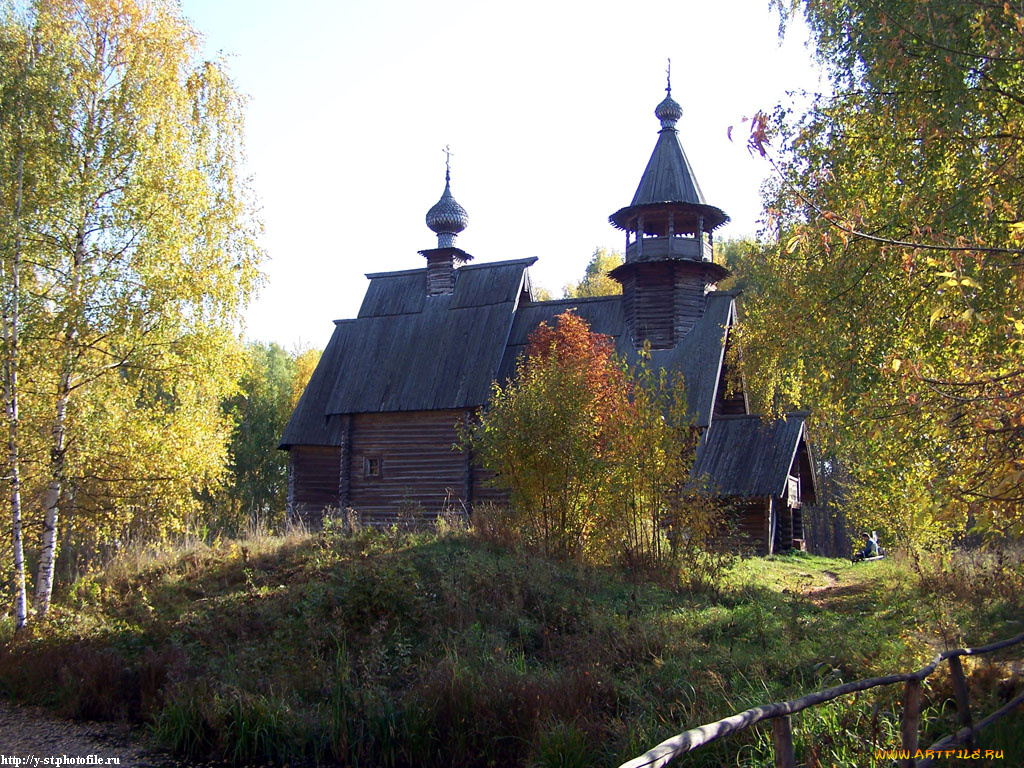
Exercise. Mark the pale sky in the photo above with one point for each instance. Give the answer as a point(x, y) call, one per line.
point(548, 108)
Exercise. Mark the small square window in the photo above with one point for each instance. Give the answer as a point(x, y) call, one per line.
point(371, 466)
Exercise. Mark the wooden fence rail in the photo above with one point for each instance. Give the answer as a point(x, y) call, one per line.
point(779, 713)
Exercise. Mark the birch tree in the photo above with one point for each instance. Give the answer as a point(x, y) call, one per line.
point(14, 135)
point(143, 253)
point(891, 301)
point(595, 280)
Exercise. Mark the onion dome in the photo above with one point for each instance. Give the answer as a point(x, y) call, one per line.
point(668, 111)
point(447, 217)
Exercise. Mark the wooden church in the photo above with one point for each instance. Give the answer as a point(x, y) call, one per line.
point(375, 428)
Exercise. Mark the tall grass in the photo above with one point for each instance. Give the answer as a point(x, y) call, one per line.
point(459, 647)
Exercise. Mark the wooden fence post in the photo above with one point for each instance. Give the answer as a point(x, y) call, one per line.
point(910, 721)
point(963, 705)
point(780, 713)
point(782, 736)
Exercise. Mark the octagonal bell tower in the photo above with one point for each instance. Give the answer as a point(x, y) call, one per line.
point(669, 228)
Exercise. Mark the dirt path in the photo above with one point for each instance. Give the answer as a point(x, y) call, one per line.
point(29, 732)
point(833, 580)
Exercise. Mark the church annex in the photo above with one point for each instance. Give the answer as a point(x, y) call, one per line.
point(375, 427)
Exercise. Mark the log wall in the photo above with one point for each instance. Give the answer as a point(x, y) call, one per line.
point(440, 275)
point(688, 308)
point(662, 301)
point(419, 470)
point(729, 401)
point(749, 524)
point(421, 473)
point(484, 492)
point(314, 472)
point(648, 304)
point(784, 527)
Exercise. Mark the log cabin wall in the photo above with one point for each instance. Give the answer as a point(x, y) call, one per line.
point(648, 304)
point(749, 525)
point(479, 488)
point(290, 494)
point(406, 460)
point(344, 462)
point(440, 275)
point(662, 301)
point(784, 526)
point(484, 492)
point(314, 475)
point(629, 308)
point(688, 298)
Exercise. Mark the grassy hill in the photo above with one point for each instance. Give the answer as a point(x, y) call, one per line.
point(443, 649)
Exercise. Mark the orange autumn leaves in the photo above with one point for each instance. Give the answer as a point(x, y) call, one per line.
point(583, 365)
point(589, 448)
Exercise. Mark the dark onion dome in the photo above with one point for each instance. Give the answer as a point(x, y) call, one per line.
point(668, 112)
point(446, 215)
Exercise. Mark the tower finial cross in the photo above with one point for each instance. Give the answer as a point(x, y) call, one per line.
point(447, 162)
point(668, 77)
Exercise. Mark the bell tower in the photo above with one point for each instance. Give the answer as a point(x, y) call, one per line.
point(669, 228)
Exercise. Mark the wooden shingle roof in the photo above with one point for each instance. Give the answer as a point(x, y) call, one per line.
point(746, 456)
point(407, 351)
point(309, 424)
point(668, 177)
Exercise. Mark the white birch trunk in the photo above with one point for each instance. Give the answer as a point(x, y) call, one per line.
point(48, 550)
point(11, 322)
point(48, 553)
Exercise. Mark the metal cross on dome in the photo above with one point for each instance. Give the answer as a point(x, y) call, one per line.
point(447, 162)
point(668, 77)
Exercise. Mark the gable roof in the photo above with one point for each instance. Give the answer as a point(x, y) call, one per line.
point(602, 313)
point(748, 457)
point(407, 351)
point(309, 424)
point(699, 355)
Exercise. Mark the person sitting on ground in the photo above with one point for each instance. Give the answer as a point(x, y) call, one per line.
point(870, 547)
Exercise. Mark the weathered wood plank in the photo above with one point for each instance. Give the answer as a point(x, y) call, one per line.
point(290, 499)
point(345, 463)
point(316, 471)
point(963, 705)
point(689, 740)
point(695, 737)
point(467, 483)
point(418, 467)
point(964, 735)
point(782, 739)
point(910, 721)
